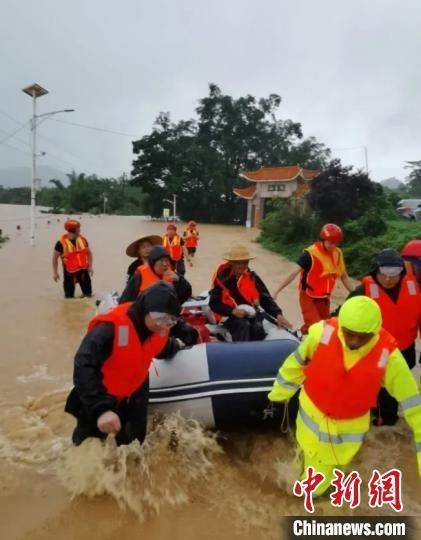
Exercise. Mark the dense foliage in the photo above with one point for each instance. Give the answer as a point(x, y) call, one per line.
point(200, 159)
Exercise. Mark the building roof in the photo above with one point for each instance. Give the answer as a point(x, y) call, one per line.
point(245, 193)
point(275, 174)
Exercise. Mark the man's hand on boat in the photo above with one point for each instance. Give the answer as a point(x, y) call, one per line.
point(109, 422)
point(239, 313)
point(283, 322)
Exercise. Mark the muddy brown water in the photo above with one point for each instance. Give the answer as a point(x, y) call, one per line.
point(235, 486)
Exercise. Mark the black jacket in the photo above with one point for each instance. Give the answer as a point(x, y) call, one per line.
point(182, 288)
point(89, 397)
point(266, 301)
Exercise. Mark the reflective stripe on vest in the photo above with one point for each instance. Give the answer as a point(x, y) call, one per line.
point(285, 384)
point(411, 402)
point(191, 237)
point(123, 336)
point(173, 246)
point(126, 369)
point(325, 269)
point(327, 437)
point(75, 255)
point(342, 393)
point(400, 318)
point(302, 361)
point(418, 446)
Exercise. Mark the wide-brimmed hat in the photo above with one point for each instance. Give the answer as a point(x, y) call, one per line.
point(238, 253)
point(133, 249)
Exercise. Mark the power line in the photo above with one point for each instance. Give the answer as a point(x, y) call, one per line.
point(95, 128)
point(10, 135)
point(12, 118)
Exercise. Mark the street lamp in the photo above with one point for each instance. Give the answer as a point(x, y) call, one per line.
point(174, 204)
point(35, 91)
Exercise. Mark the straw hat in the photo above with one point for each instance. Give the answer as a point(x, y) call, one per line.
point(132, 250)
point(238, 253)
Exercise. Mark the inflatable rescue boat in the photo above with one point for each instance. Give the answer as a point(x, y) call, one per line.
point(221, 383)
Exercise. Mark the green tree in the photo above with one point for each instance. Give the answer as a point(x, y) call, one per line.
point(414, 178)
point(200, 159)
point(339, 194)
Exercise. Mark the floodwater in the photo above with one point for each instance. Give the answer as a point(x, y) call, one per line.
point(214, 488)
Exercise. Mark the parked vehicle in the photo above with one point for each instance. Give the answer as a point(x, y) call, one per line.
point(410, 209)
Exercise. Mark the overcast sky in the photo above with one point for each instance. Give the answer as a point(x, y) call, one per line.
point(348, 70)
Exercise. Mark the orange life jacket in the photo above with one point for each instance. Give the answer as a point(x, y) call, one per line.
point(401, 319)
point(191, 237)
point(326, 267)
point(127, 367)
point(74, 256)
point(245, 285)
point(148, 277)
point(173, 246)
point(339, 393)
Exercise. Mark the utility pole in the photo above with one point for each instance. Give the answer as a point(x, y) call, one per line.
point(366, 159)
point(174, 205)
point(105, 201)
point(35, 91)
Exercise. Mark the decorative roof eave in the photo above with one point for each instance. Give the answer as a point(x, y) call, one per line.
point(245, 193)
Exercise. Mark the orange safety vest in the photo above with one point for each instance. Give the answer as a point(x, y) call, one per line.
point(74, 256)
point(191, 237)
point(245, 285)
point(127, 367)
point(342, 393)
point(326, 267)
point(401, 319)
point(148, 277)
point(173, 246)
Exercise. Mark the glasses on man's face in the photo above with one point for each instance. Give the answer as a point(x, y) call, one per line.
point(163, 319)
point(390, 271)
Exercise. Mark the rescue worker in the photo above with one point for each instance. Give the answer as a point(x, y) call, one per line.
point(233, 285)
point(110, 377)
point(399, 298)
point(174, 244)
point(411, 254)
point(158, 268)
point(73, 250)
point(340, 367)
point(320, 265)
point(191, 238)
point(140, 249)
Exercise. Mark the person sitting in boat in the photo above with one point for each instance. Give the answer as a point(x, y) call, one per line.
point(158, 268)
point(111, 382)
point(234, 289)
point(340, 368)
point(140, 249)
point(411, 254)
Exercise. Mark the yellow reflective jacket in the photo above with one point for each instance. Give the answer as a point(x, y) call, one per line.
point(337, 441)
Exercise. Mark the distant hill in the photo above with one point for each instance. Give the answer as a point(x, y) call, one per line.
point(21, 176)
point(393, 183)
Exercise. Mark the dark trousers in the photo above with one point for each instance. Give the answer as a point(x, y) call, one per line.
point(70, 279)
point(133, 417)
point(185, 332)
point(247, 329)
point(386, 413)
point(179, 267)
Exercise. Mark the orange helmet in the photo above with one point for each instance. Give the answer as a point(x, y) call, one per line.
point(171, 226)
point(331, 232)
point(71, 225)
point(192, 223)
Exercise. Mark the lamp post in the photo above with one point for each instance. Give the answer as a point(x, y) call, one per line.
point(35, 91)
point(174, 204)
